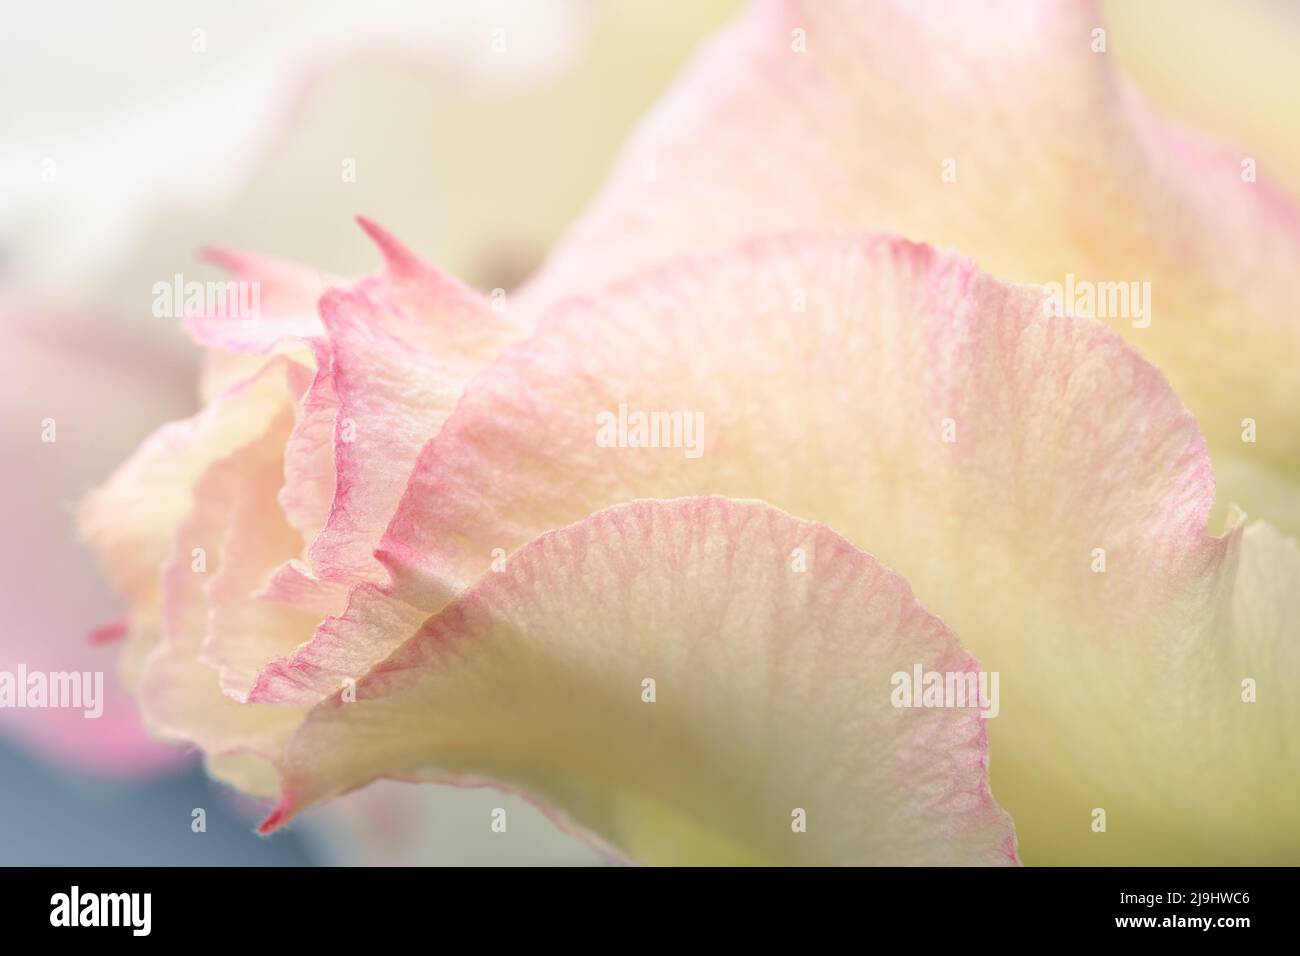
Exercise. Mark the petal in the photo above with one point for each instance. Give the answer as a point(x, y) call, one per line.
point(825, 380)
point(281, 297)
point(398, 350)
point(131, 519)
point(295, 584)
point(196, 490)
point(994, 455)
point(1005, 112)
point(772, 697)
point(403, 346)
point(244, 631)
point(310, 464)
point(391, 356)
point(1227, 68)
point(180, 695)
point(284, 319)
point(343, 647)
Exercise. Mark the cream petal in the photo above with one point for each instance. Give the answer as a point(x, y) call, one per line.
point(1012, 141)
point(180, 695)
point(244, 630)
point(772, 736)
point(130, 520)
point(286, 320)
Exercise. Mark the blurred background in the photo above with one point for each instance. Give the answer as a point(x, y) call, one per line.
point(135, 133)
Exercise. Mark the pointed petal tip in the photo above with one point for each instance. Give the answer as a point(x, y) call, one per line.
point(110, 633)
point(403, 264)
point(277, 818)
point(397, 256)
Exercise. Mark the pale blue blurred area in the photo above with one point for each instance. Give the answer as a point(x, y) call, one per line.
point(52, 817)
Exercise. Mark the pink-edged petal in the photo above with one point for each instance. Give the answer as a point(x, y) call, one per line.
point(295, 584)
point(270, 306)
point(342, 648)
point(285, 320)
point(391, 399)
point(266, 307)
point(310, 463)
point(1033, 478)
point(403, 345)
point(1012, 140)
point(400, 347)
point(391, 356)
point(824, 374)
point(1223, 67)
point(771, 736)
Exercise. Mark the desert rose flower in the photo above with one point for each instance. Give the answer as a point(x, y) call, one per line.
point(264, 553)
point(400, 542)
point(990, 452)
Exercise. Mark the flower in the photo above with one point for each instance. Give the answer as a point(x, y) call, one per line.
point(396, 544)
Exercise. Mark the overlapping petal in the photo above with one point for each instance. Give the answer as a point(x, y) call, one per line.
point(392, 353)
point(342, 648)
point(279, 491)
point(402, 348)
point(1033, 478)
point(681, 686)
point(285, 320)
point(130, 521)
point(1013, 139)
point(216, 554)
